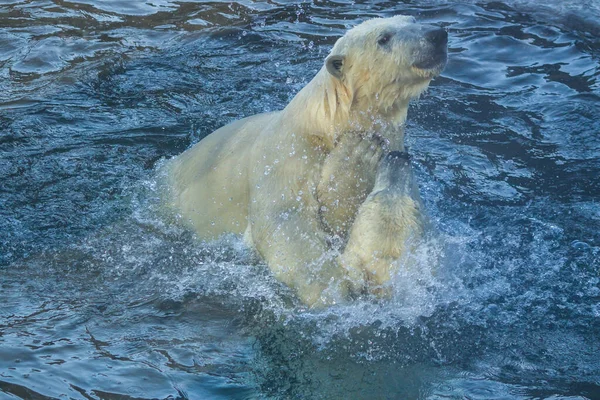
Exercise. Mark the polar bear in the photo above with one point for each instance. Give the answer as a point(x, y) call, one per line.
point(295, 182)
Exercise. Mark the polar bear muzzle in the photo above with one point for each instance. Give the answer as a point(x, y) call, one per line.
point(433, 54)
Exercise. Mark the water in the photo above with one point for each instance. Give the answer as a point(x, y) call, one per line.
point(103, 297)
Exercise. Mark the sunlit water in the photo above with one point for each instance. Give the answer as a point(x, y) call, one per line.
point(103, 297)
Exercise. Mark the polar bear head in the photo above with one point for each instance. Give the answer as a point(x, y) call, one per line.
point(384, 62)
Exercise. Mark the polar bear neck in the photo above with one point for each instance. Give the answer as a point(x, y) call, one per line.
point(327, 109)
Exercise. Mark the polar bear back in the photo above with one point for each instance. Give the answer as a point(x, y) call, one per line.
point(210, 182)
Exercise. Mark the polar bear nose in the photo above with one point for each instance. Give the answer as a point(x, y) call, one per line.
point(438, 37)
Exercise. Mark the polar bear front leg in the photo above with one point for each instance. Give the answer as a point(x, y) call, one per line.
point(347, 177)
point(388, 219)
point(294, 247)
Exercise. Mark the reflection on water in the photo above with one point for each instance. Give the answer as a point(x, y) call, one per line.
point(103, 296)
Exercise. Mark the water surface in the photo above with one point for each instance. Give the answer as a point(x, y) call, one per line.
point(103, 297)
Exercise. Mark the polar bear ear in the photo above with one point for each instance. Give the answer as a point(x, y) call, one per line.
point(335, 65)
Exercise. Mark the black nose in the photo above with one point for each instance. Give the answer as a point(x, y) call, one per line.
point(438, 37)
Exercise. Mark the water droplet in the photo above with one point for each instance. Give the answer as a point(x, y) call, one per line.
point(579, 245)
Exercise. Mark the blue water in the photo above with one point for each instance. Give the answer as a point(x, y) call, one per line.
point(102, 296)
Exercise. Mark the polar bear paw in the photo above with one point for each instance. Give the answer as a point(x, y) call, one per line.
point(348, 175)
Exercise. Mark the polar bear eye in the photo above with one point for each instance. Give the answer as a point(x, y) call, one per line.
point(384, 39)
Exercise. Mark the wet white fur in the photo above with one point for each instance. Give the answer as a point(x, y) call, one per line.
point(375, 89)
point(258, 176)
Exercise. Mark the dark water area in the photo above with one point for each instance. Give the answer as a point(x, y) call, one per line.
point(103, 297)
